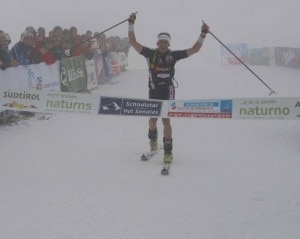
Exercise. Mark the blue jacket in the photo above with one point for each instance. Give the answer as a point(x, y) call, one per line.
point(21, 53)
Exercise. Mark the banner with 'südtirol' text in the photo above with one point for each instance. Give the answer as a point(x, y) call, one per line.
point(272, 108)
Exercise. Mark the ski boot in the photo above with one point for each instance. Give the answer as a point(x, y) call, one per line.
point(168, 146)
point(168, 157)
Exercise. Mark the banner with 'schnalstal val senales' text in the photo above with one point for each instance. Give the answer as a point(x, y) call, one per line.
point(272, 108)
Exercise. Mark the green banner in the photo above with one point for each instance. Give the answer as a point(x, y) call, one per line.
point(73, 76)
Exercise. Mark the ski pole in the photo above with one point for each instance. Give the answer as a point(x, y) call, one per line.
point(272, 92)
point(68, 52)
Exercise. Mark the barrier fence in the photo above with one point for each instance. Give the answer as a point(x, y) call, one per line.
point(75, 74)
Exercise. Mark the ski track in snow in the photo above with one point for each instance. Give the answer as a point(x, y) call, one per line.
point(79, 176)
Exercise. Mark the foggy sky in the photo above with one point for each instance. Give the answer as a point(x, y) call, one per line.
point(257, 22)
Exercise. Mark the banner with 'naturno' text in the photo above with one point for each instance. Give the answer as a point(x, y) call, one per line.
point(272, 108)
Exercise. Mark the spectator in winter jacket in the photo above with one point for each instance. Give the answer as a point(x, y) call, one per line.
point(3, 61)
point(66, 43)
point(32, 30)
point(21, 51)
point(83, 48)
point(5, 57)
point(57, 47)
point(41, 35)
point(34, 33)
point(6, 41)
point(89, 34)
point(66, 35)
point(58, 31)
point(44, 53)
point(75, 41)
point(5, 46)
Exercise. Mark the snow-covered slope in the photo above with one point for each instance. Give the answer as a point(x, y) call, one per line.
point(79, 176)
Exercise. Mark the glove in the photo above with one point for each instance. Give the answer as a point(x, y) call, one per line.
point(204, 28)
point(132, 18)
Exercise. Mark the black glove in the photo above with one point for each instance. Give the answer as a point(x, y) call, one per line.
point(132, 18)
point(205, 28)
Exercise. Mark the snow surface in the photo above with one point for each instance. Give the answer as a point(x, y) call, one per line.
point(79, 176)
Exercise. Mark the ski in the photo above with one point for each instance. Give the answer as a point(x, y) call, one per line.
point(165, 170)
point(43, 116)
point(150, 154)
point(146, 156)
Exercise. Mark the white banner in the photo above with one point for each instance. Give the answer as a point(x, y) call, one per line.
point(123, 59)
point(91, 74)
point(38, 77)
point(273, 108)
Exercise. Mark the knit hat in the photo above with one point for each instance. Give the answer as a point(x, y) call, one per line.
point(164, 36)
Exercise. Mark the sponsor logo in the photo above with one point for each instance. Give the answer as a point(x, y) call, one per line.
point(70, 75)
point(68, 105)
point(18, 100)
point(21, 95)
point(163, 75)
point(19, 106)
point(119, 106)
point(201, 109)
point(261, 111)
point(173, 106)
point(36, 81)
point(263, 108)
point(111, 106)
point(65, 102)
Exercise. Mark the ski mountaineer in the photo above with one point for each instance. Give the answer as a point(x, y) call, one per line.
point(161, 62)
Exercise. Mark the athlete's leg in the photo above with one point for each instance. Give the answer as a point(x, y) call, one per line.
point(167, 128)
point(152, 124)
point(152, 134)
point(168, 142)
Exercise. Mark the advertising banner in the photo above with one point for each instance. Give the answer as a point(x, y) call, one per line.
point(123, 59)
point(100, 71)
point(133, 107)
point(14, 78)
point(279, 108)
point(44, 77)
point(49, 101)
point(73, 76)
point(240, 50)
point(259, 56)
point(200, 108)
point(91, 74)
point(38, 77)
point(272, 108)
point(285, 56)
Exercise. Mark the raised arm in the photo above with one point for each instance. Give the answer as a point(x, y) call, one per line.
point(131, 36)
point(197, 46)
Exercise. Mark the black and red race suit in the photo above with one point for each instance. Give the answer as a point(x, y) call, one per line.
point(161, 72)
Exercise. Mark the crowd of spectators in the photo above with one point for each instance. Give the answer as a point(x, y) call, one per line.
point(35, 47)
